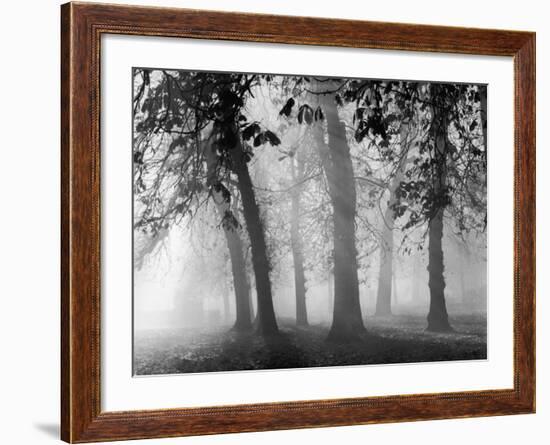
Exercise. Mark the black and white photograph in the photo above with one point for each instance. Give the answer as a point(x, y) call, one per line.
point(299, 221)
point(293, 222)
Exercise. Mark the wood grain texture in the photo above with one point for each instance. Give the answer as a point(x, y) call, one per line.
point(82, 26)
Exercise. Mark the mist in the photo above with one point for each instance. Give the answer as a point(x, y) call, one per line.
point(284, 210)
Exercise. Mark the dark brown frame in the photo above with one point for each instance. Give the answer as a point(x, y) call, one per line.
point(81, 28)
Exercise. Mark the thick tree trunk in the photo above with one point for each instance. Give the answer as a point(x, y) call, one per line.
point(297, 253)
point(438, 319)
point(416, 279)
point(243, 320)
point(267, 324)
point(347, 322)
point(226, 311)
point(330, 285)
point(394, 287)
point(251, 301)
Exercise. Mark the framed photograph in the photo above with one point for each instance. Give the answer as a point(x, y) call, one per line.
point(274, 222)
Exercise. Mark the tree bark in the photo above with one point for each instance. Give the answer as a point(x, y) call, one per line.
point(347, 322)
point(297, 253)
point(394, 287)
point(243, 320)
point(267, 324)
point(438, 319)
point(415, 279)
point(226, 311)
point(330, 285)
point(242, 298)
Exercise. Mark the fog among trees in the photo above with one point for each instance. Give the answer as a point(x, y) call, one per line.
point(292, 221)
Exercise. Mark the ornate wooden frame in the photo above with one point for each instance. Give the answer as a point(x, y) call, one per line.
point(81, 28)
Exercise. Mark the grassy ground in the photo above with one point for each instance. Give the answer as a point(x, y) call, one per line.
point(397, 339)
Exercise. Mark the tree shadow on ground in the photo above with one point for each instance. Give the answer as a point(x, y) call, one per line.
point(400, 340)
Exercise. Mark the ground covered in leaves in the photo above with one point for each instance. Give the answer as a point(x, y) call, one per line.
point(397, 339)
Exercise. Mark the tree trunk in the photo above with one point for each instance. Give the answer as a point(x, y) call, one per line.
point(384, 293)
point(234, 244)
point(415, 280)
point(242, 298)
point(267, 324)
point(297, 253)
point(438, 320)
point(394, 287)
point(226, 310)
point(330, 285)
point(462, 253)
point(383, 296)
point(347, 322)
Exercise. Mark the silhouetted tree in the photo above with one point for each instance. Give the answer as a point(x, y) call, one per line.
point(170, 117)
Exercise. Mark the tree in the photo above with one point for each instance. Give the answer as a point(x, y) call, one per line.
point(455, 176)
point(327, 96)
point(267, 323)
point(297, 172)
point(447, 178)
point(387, 251)
point(286, 183)
point(438, 319)
point(445, 174)
point(171, 116)
point(231, 227)
point(320, 109)
point(384, 131)
point(347, 322)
